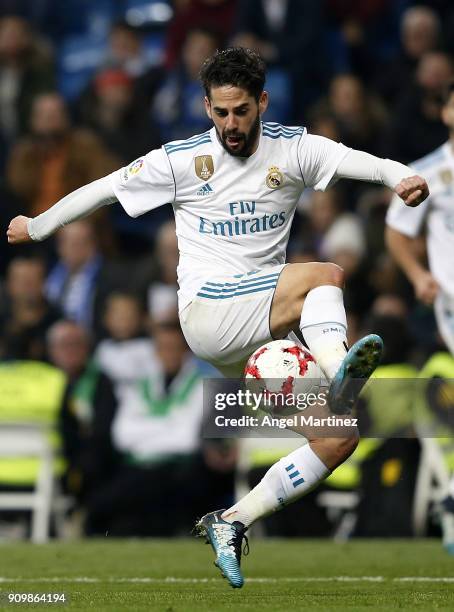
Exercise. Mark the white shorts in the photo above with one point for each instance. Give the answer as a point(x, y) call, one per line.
point(444, 314)
point(230, 318)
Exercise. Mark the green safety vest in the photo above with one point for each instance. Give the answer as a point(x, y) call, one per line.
point(348, 475)
point(31, 392)
point(439, 365)
point(395, 392)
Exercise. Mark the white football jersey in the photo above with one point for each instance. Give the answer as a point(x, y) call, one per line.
point(437, 212)
point(233, 214)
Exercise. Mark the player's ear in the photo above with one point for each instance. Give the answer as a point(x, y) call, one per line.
point(263, 102)
point(208, 106)
point(444, 115)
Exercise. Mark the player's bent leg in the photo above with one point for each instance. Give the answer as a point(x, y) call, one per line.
point(295, 282)
point(309, 296)
point(314, 290)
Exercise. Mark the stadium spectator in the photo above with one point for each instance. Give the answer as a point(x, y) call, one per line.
point(117, 113)
point(162, 476)
point(126, 50)
point(25, 314)
point(385, 278)
point(360, 117)
point(162, 291)
point(339, 234)
point(419, 34)
point(362, 33)
point(155, 279)
point(125, 354)
point(323, 123)
point(339, 237)
point(217, 15)
point(69, 347)
point(287, 32)
point(86, 411)
point(416, 128)
point(26, 69)
point(278, 82)
point(178, 107)
point(73, 283)
point(65, 20)
point(58, 158)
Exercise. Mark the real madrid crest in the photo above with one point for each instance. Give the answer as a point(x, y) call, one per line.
point(274, 178)
point(204, 167)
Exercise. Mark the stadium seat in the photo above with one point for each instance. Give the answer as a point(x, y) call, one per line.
point(148, 13)
point(31, 394)
point(31, 441)
point(79, 58)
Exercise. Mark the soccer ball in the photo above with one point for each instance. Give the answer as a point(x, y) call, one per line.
point(287, 376)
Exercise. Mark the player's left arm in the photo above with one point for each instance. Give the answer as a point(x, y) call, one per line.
point(411, 188)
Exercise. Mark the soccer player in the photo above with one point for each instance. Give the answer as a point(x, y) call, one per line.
point(234, 191)
point(436, 284)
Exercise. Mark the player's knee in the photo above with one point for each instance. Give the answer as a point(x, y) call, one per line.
point(326, 274)
point(333, 275)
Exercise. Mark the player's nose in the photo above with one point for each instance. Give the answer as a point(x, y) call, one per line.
point(231, 122)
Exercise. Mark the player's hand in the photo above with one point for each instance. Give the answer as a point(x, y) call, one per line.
point(413, 190)
point(17, 231)
point(426, 287)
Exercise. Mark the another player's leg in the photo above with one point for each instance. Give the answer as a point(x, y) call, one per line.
point(447, 518)
point(310, 296)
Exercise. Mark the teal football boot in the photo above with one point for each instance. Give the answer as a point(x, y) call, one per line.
point(356, 368)
point(226, 540)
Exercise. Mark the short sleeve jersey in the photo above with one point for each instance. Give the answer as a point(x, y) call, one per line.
point(232, 214)
point(436, 213)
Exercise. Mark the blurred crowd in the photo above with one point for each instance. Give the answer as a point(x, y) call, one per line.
point(86, 86)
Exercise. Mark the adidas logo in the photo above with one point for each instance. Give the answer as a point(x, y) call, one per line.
point(293, 474)
point(205, 190)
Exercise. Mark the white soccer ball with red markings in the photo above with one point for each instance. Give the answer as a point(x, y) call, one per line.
point(286, 374)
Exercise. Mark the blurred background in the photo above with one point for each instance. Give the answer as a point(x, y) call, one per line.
point(100, 398)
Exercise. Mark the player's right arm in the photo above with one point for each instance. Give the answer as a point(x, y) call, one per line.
point(78, 204)
point(146, 183)
point(402, 248)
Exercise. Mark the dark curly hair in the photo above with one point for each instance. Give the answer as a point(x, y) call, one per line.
point(234, 66)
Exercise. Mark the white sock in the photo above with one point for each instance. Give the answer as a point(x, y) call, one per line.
point(287, 480)
point(324, 327)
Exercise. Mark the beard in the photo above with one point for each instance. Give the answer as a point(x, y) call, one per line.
point(240, 144)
